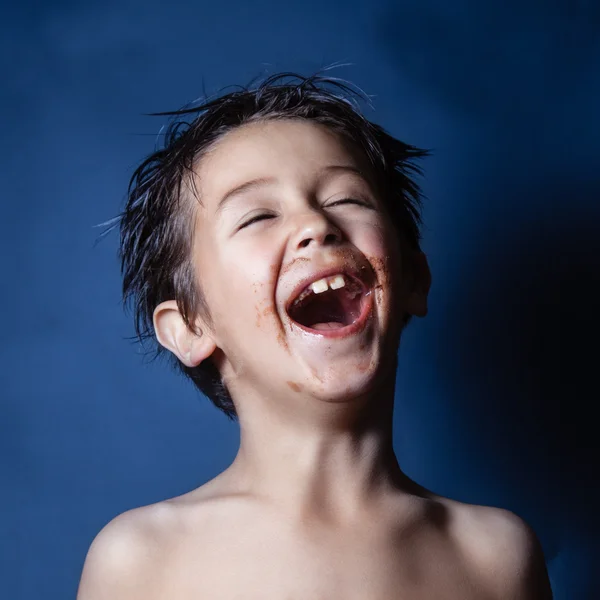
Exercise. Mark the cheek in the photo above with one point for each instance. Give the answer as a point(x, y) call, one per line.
point(237, 285)
point(244, 295)
point(382, 248)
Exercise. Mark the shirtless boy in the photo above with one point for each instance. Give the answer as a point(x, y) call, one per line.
point(266, 193)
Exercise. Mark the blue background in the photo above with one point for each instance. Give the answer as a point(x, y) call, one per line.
point(496, 384)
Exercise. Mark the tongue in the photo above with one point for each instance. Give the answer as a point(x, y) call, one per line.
point(329, 325)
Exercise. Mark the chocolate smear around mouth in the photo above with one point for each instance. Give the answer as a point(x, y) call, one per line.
point(332, 309)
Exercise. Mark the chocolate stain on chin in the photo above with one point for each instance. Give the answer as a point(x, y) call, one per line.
point(295, 386)
point(364, 366)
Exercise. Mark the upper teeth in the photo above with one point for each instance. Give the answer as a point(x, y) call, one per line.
point(322, 285)
point(335, 282)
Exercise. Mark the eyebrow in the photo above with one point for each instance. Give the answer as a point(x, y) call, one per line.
point(263, 181)
point(243, 188)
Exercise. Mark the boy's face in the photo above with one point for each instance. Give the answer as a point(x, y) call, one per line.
point(249, 271)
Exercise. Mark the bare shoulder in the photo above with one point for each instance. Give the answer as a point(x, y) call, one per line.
point(505, 551)
point(121, 561)
point(131, 556)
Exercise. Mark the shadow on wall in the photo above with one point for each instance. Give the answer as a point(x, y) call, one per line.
point(519, 351)
point(524, 346)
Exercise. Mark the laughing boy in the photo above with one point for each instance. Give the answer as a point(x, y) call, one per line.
point(272, 246)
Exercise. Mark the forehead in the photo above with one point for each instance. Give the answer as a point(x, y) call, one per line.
point(286, 148)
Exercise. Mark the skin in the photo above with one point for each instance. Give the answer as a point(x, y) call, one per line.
point(315, 503)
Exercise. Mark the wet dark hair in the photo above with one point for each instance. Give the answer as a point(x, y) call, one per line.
point(156, 226)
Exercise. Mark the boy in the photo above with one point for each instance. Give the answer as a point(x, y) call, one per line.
point(272, 246)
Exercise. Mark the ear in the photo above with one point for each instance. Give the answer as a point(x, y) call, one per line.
point(172, 333)
point(416, 301)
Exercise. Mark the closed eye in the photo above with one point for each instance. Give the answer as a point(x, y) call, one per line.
point(350, 201)
point(255, 219)
point(263, 216)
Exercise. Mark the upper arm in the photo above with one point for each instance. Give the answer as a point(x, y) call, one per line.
point(535, 582)
point(515, 560)
point(117, 563)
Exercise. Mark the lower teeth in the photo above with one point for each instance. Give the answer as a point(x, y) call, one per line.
point(328, 325)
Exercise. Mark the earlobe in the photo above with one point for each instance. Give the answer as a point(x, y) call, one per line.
point(421, 283)
point(172, 333)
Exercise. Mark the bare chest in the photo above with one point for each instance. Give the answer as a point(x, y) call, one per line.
point(274, 565)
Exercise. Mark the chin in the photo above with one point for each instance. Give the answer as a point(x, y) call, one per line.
point(340, 388)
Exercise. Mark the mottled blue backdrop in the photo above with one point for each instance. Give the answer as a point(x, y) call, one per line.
point(495, 385)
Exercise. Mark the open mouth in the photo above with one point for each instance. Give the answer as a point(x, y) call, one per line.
point(329, 304)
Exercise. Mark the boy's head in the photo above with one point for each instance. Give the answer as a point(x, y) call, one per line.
point(262, 192)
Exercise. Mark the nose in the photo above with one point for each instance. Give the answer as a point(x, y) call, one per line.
point(314, 229)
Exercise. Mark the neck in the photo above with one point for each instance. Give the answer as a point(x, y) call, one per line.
point(337, 464)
